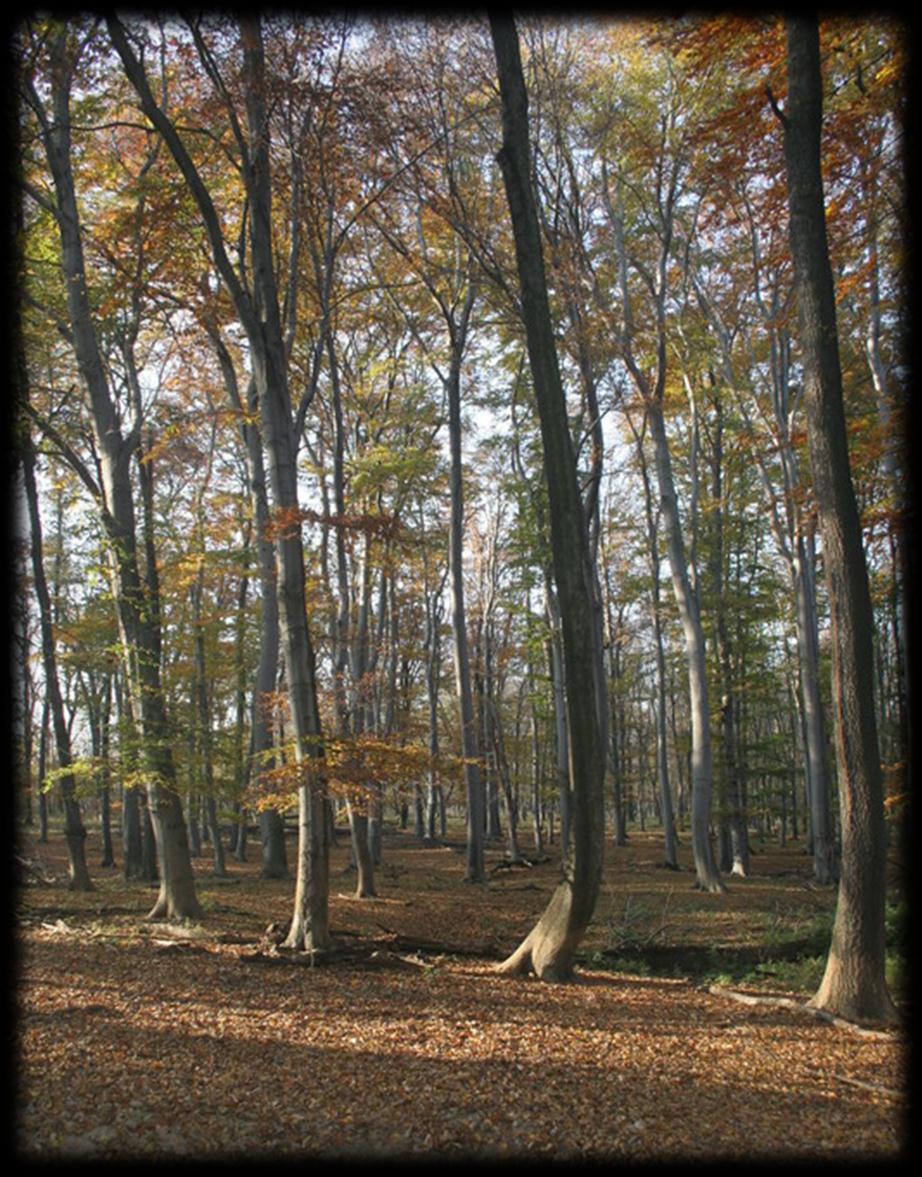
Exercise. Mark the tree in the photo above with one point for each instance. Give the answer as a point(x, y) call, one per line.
point(646, 357)
point(549, 948)
point(854, 984)
point(256, 302)
point(115, 450)
point(74, 829)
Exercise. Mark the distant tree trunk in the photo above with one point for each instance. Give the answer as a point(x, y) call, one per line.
point(42, 769)
point(101, 743)
point(667, 816)
point(549, 948)
point(561, 735)
point(202, 709)
point(433, 674)
point(854, 984)
point(274, 858)
point(701, 760)
point(737, 859)
point(470, 744)
point(74, 829)
point(537, 806)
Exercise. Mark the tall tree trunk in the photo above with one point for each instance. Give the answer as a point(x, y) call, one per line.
point(667, 815)
point(737, 858)
point(550, 947)
point(854, 984)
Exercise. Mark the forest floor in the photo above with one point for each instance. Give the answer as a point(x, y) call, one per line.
point(205, 1041)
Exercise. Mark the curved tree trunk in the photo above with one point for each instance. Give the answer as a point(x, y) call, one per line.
point(854, 984)
point(549, 949)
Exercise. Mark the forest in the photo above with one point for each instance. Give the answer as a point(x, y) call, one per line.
point(461, 585)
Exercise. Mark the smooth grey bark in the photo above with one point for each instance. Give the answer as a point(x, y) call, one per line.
point(434, 617)
point(892, 462)
point(349, 648)
point(735, 853)
point(98, 699)
point(681, 562)
point(203, 717)
point(549, 948)
point(854, 983)
point(791, 531)
point(494, 732)
point(310, 921)
point(561, 733)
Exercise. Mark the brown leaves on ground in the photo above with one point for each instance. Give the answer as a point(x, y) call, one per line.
point(139, 1040)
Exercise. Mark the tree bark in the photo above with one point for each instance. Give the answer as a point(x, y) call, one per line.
point(549, 948)
point(854, 984)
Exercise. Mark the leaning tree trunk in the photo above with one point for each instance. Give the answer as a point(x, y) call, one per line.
point(854, 984)
point(550, 947)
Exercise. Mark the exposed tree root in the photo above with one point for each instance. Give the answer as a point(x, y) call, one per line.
point(820, 1015)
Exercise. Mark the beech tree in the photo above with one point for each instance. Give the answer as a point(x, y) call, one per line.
point(114, 494)
point(549, 948)
point(259, 313)
point(854, 984)
point(74, 829)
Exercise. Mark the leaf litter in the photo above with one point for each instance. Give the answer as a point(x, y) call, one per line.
point(139, 1040)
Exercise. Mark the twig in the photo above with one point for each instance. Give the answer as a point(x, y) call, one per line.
point(876, 1088)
